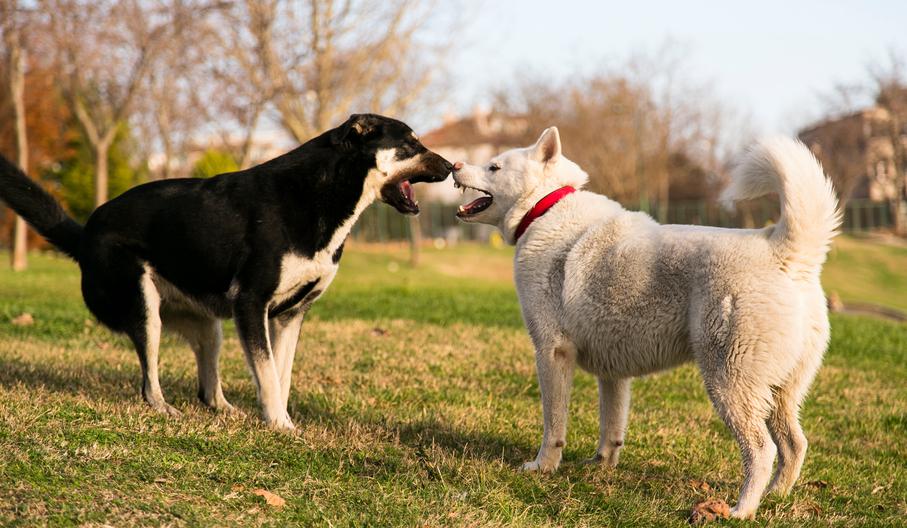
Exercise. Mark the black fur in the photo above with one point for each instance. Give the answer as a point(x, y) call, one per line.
point(294, 300)
point(45, 214)
point(220, 241)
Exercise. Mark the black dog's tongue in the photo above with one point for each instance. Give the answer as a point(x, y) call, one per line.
point(407, 189)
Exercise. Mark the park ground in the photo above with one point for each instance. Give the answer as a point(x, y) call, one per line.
point(416, 400)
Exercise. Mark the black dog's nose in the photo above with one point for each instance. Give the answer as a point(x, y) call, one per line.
point(458, 165)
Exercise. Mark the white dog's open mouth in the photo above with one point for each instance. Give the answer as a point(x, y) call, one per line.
point(476, 206)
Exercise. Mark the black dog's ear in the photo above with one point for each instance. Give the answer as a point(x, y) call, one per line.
point(357, 126)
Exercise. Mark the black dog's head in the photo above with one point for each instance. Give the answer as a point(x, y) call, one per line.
point(400, 159)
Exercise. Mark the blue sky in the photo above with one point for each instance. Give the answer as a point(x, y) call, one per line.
point(768, 59)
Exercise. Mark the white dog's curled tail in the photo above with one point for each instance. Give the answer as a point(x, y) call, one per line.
point(810, 217)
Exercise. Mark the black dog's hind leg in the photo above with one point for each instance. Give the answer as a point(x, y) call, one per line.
point(251, 316)
point(204, 335)
point(146, 336)
point(119, 290)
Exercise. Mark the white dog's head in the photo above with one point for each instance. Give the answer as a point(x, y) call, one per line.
point(514, 181)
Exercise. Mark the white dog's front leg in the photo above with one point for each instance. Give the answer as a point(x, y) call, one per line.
point(613, 409)
point(555, 371)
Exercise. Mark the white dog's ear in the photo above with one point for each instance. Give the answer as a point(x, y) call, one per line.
point(548, 148)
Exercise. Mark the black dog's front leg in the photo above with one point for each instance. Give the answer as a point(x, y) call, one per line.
point(252, 325)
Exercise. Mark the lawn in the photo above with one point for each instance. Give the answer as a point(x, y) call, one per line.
point(862, 271)
point(416, 400)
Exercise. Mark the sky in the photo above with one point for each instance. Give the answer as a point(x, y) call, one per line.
point(770, 60)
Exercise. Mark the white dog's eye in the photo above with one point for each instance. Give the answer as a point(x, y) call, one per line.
point(494, 167)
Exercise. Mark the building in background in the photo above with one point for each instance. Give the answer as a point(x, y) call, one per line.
point(471, 139)
point(263, 146)
point(859, 153)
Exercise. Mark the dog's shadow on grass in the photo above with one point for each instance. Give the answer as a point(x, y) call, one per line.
point(122, 384)
point(90, 380)
point(421, 435)
point(427, 434)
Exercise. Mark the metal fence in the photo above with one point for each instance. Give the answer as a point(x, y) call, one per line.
point(380, 223)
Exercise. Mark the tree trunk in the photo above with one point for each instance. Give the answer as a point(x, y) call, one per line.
point(19, 255)
point(415, 240)
point(664, 197)
point(101, 178)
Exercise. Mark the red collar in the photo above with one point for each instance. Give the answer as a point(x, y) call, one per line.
point(541, 207)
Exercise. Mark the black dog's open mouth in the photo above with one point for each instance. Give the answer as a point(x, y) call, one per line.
point(400, 196)
point(476, 206)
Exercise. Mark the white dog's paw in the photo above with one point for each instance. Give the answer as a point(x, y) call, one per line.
point(608, 459)
point(530, 466)
point(542, 467)
point(747, 514)
point(281, 423)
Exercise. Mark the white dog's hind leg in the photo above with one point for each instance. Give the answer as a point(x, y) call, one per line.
point(613, 409)
point(740, 404)
point(784, 422)
point(555, 371)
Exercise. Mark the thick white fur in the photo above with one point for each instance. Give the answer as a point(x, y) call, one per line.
point(622, 296)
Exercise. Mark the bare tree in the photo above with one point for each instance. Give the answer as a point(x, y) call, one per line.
point(12, 27)
point(237, 93)
point(105, 52)
point(639, 129)
point(175, 100)
point(352, 56)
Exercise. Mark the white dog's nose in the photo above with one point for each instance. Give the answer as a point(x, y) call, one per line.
point(458, 165)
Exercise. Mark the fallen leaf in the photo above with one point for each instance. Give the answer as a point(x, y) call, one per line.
point(709, 510)
point(806, 509)
point(378, 331)
point(700, 485)
point(818, 484)
point(24, 320)
point(271, 499)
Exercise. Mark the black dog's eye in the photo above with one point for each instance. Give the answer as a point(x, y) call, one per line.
point(494, 167)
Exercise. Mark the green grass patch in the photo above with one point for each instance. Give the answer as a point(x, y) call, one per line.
point(863, 271)
point(423, 423)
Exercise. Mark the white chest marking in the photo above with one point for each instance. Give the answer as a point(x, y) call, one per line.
point(297, 270)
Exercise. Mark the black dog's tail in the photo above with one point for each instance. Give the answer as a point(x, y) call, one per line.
point(39, 209)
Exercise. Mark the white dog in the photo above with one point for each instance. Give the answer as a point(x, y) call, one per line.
point(622, 296)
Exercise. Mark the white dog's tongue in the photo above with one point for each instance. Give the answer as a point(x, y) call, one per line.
point(476, 206)
point(407, 190)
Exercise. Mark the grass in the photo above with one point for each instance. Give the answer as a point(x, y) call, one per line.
point(416, 399)
point(862, 271)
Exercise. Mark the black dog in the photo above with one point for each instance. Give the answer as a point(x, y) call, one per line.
point(258, 245)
